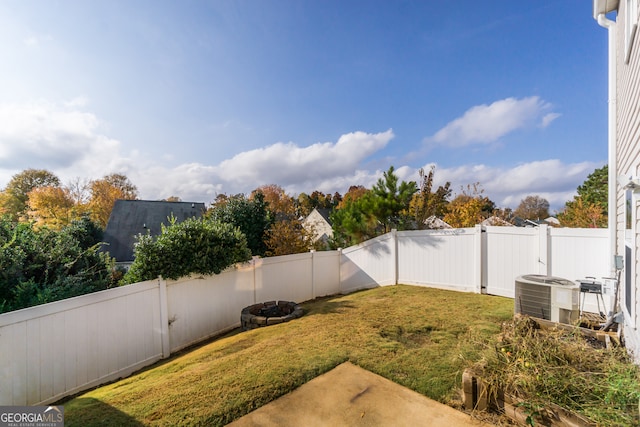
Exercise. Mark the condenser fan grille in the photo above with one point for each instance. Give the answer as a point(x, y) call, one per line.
point(533, 300)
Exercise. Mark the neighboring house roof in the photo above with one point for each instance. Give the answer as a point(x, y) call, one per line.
point(552, 220)
point(521, 222)
point(324, 213)
point(496, 221)
point(435, 223)
point(132, 217)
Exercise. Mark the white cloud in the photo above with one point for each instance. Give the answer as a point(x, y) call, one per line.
point(548, 118)
point(69, 142)
point(65, 141)
point(552, 179)
point(288, 162)
point(485, 124)
point(41, 134)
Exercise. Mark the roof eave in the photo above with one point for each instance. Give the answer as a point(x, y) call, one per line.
point(601, 7)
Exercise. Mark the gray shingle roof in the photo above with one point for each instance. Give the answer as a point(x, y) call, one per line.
point(132, 217)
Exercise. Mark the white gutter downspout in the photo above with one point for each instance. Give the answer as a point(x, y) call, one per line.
point(612, 202)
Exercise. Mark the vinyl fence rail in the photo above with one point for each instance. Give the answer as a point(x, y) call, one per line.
point(54, 350)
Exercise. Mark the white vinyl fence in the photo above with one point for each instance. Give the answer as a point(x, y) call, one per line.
point(57, 349)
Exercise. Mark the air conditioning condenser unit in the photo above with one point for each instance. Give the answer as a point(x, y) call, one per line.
point(547, 297)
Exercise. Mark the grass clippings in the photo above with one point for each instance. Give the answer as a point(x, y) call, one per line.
point(565, 368)
point(421, 338)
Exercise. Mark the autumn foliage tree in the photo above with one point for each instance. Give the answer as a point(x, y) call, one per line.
point(305, 203)
point(279, 203)
point(14, 198)
point(469, 208)
point(105, 192)
point(37, 195)
point(426, 202)
point(286, 235)
point(289, 237)
point(52, 206)
point(578, 214)
point(533, 208)
point(588, 208)
point(353, 194)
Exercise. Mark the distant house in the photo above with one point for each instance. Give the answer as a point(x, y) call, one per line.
point(318, 221)
point(132, 217)
point(435, 223)
point(496, 221)
point(550, 221)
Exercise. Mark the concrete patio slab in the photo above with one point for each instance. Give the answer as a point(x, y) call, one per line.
point(351, 396)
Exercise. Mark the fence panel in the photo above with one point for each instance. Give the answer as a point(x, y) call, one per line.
point(509, 253)
point(369, 264)
point(286, 278)
point(326, 273)
point(577, 253)
point(53, 350)
point(439, 258)
point(201, 307)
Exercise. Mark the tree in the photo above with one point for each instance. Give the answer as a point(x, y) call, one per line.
point(353, 194)
point(426, 202)
point(14, 198)
point(532, 207)
point(352, 223)
point(105, 192)
point(595, 189)
point(250, 216)
point(44, 265)
point(305, 203)
point(196, 245)
point(279, 204)
point(578, 214)
point(374, 211)
point(390, 201)
point(589, 208)
point(469, 208)
point(289, 237)
point(79, 190)
point(50, 206)
point(464, 211)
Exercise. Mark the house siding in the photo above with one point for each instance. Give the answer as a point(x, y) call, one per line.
point(321, 227)
point(628, 163)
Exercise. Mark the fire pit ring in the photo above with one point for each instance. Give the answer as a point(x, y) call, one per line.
point(269, 313)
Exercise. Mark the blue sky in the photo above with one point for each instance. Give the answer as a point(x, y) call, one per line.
point(197, 98)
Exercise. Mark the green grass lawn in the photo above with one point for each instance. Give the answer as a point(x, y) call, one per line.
point(418, 337)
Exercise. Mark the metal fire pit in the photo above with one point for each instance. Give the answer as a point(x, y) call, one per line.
point(269, 313)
